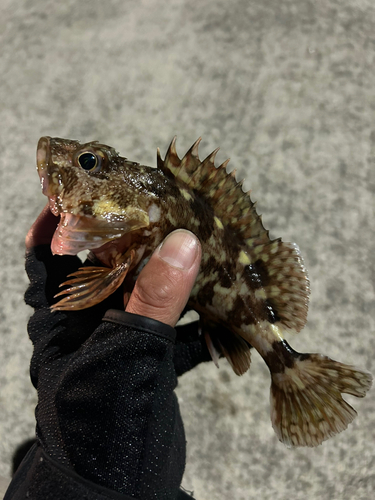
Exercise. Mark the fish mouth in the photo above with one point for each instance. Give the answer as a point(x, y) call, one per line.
point(43, 157)
point(50, 178)
point(49, 175)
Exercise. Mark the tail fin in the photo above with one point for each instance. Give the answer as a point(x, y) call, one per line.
point(306, 403)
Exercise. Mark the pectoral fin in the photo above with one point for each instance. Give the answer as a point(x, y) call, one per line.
point(91, 285)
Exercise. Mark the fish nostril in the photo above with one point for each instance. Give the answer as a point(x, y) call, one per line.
point(41, 153)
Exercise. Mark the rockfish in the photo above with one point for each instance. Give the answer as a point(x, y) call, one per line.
point(249, 290)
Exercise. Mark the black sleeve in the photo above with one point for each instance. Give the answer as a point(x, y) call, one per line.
point(108, 421)
point(190, 348)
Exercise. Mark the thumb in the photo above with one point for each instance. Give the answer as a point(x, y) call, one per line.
point(163, 287)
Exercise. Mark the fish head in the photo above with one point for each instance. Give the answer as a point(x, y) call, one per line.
point(86, 186)
point(70, 173)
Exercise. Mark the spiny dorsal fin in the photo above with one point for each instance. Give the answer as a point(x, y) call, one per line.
point(278, 265)
point(232, 206)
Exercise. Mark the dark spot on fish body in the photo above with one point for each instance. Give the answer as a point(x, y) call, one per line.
point(302, 355)
point(160, 185)
point(239, 310)
point(86, 207)
point(256, 275)
point(204, 213)
point(206, 294)
point(256, 310)
point(209, 266)
point(274, 363)
point(282, 356)
point(271, 312)
point(233, 245)
point(100, 175)
point(225, 279)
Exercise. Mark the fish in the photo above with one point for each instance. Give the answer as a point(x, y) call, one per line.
point(250, 291)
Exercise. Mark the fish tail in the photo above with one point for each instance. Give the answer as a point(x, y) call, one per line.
point(306, 396)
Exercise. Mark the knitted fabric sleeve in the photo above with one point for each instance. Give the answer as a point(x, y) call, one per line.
point(108, 420)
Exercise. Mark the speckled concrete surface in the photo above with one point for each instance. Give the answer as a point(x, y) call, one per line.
point(286, 89)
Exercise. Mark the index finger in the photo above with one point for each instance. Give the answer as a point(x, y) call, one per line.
point(41, 232)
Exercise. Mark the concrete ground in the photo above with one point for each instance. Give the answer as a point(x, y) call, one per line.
point(286, 89)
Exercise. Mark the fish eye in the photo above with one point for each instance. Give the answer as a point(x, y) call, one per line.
point(88, 161)
point(91, 160)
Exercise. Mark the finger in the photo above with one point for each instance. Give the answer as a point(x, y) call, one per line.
point(164, 285)
point(41, 232)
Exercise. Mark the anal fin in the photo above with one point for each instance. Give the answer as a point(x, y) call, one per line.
point(221, 341)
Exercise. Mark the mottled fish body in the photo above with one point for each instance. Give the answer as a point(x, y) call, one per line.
point(249, 290)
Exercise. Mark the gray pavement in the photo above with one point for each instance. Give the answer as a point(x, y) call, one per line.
point(287, 90)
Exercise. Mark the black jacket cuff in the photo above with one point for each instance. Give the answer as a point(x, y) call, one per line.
point(142, 323)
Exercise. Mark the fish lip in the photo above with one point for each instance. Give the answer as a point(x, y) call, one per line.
point(50, 177)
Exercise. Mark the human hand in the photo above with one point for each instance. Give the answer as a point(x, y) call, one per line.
point(41, 232)
point(88, 377)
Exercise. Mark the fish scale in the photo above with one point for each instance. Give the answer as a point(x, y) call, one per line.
point(249, 289)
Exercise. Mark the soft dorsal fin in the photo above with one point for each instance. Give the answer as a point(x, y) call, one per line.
point(279, 265)
point(232, 206)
